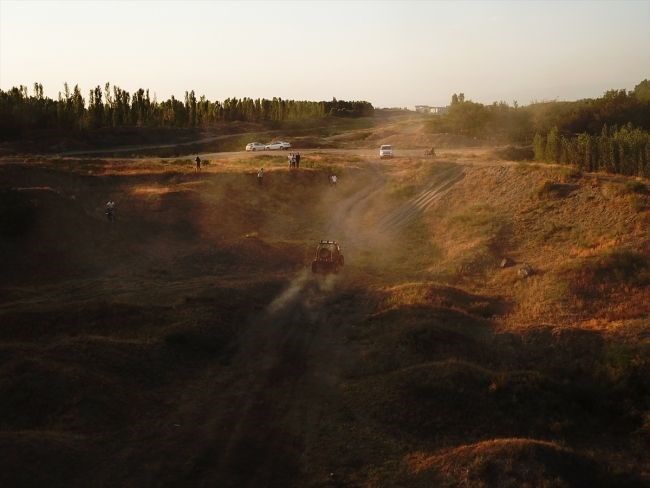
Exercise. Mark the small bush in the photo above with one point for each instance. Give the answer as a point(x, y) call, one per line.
point(550, 189)
point(635, 187)
point(546, 189)
point(569, 173)
point(515, 153)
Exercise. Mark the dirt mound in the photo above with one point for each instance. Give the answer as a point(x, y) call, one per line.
point(99, 318)
point(506, 463)
point(436, 295)
point(423, 322)
point(82, 385)
point(460, 399)
point(415, 334)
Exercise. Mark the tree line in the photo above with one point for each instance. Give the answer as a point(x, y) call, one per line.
point(112, 107)
point(610, 133)
point(503, 122)
point(624, 150)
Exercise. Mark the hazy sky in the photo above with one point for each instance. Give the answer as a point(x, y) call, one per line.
point(389, 53)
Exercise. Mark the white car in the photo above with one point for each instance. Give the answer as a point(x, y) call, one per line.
point(386, 151)
point(255, 146)
point(278, 145)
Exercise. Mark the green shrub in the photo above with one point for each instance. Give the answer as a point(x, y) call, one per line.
point(637, 187)
point(516, 153)
point(553, 146)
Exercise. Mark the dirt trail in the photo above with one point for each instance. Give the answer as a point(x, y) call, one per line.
point(291, 358)
point(262, 424)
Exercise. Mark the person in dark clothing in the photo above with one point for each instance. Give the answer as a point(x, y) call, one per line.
point(260, 176)
point(297, 160)
point(109, 210)
point(198, 164)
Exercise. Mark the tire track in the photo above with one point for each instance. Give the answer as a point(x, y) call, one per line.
point(423, 201)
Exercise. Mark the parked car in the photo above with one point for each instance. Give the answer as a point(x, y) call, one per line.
point(255, 146)
point(386, 151)
point(278, 145)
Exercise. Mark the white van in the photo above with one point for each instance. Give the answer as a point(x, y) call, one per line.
point(386, 151)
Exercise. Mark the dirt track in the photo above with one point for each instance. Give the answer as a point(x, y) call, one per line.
point(283, 379)
point(263, 424)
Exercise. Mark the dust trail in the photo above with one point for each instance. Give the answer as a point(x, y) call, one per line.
point(417, 205)
point(285, 372)
point(304, 288)
point(351, 218)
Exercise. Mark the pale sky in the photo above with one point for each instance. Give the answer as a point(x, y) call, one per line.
point(392, 53)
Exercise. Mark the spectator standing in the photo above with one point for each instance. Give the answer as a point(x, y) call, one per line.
point(109, 210)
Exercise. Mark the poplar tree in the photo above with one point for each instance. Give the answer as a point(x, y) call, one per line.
point(552, 152)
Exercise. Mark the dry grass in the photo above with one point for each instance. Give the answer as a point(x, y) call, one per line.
point(509, 462)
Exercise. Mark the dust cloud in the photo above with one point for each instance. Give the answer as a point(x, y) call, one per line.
point(368, 227)
point(306, 289)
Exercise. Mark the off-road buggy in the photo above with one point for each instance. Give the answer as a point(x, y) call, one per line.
point(328, 259)
point(431, 153)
